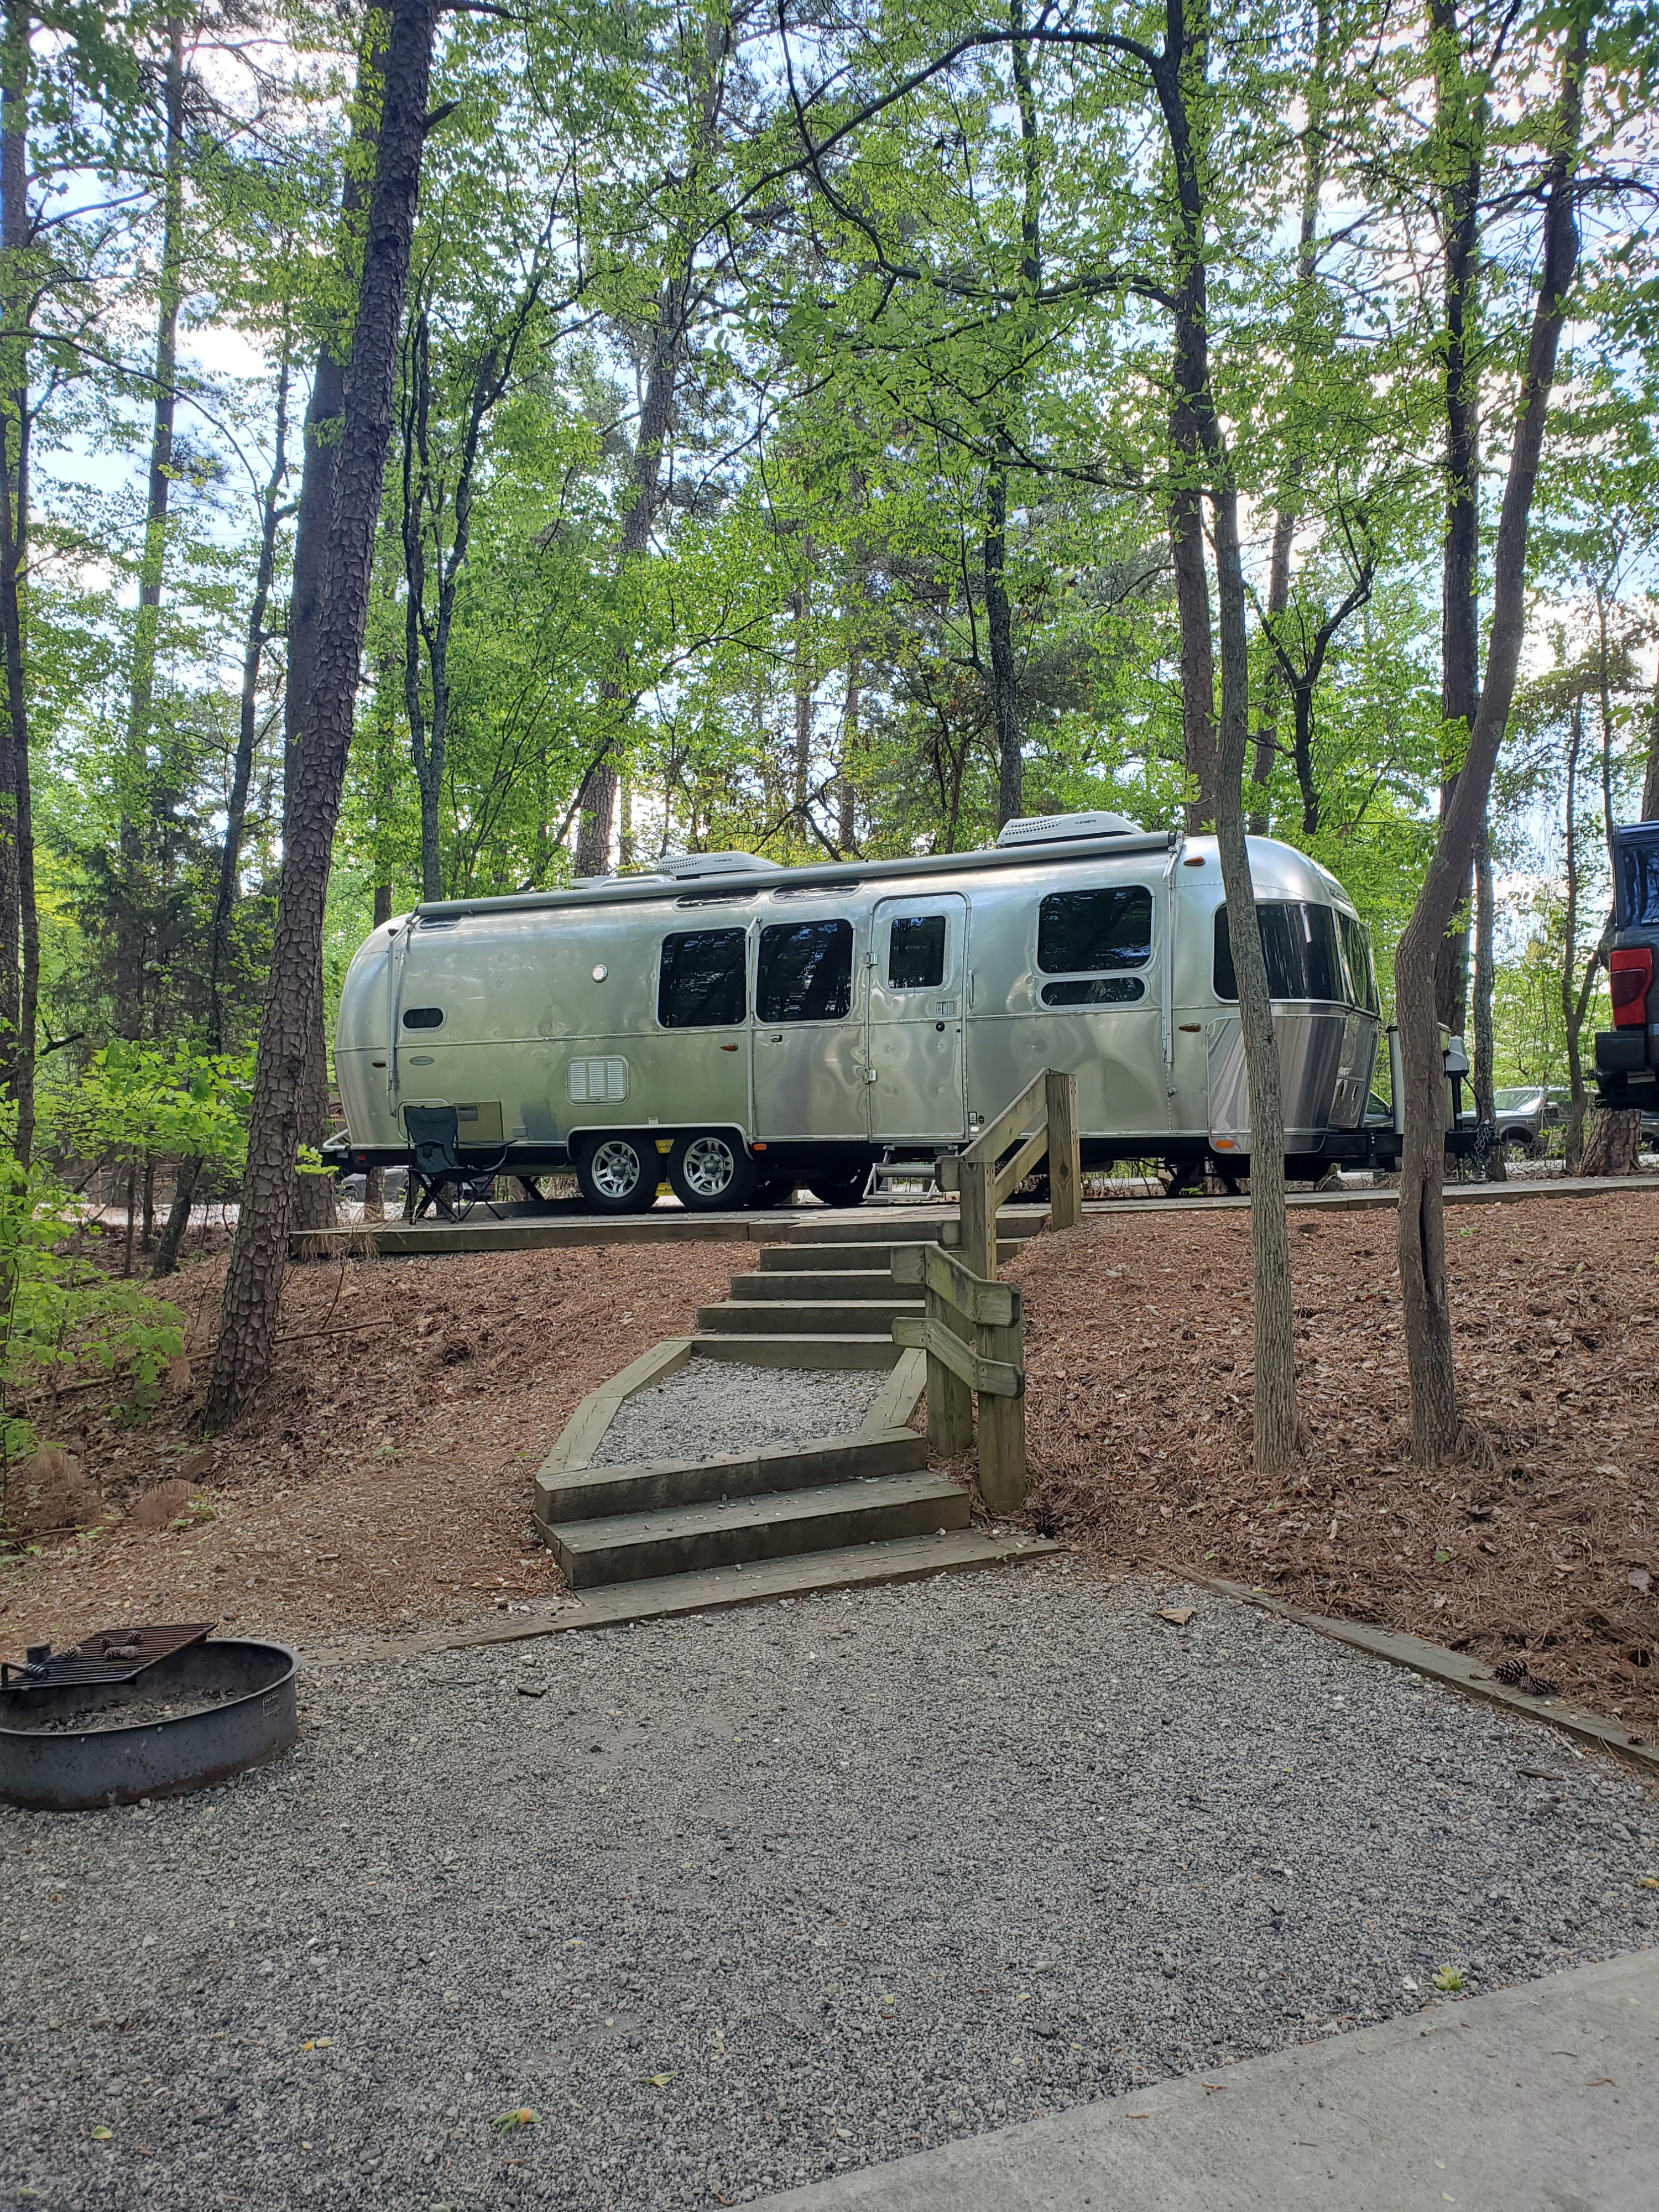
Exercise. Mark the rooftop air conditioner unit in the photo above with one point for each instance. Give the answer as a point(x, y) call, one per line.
point(1065, 828)
point(686, 867)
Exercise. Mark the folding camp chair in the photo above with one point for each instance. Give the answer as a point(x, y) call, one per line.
point(440, 1180)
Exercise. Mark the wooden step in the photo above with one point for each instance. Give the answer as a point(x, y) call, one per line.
point(846, 1228)
point(846, 1317)
point(755, 1286)
point(858, 1566)
point(593, 1494)
point(684, 1539)
point(835, 1259)
point(799, 1351)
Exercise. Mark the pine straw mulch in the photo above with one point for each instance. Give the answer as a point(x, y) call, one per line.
point(1545, 1541)
point(382, 1479)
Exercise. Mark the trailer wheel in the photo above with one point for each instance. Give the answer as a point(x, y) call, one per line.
point(617, 1175)
point(710, 1170)
point(777, 1192)
point(840, 1190)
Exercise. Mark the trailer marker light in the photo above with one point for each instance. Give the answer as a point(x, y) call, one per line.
point(758, 1148)
point(1629, 973)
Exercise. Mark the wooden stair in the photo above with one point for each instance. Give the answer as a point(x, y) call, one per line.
point(841, 1511)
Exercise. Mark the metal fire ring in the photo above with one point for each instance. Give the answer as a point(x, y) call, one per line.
point(71, 1770)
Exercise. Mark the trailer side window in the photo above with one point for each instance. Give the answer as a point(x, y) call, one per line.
point(1087, 932)
point(1299, 942)
point(1094, 991)
point(915, 953)
point(805, 972)
point(1357, 956)
point(700, 983)
point(423, 1018)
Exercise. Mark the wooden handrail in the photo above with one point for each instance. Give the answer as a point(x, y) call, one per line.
point(1042, 1119)
point(972, 1328)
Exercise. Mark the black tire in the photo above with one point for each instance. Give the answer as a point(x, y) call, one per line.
point(778, 1191)
point(840, 1190)
point(710, 1171)
point(601, 1169)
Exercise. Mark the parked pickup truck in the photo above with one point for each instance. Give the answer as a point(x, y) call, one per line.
point(1627, 1055)
point(1525, 1115)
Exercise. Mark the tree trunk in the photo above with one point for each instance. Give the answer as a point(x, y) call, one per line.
point(1277, 1429)
point(800, 606)
point(185, 1181)
point(1486, 1107)
point(1571, 1020)
point(1614, 1145)
point(999, 636)
point(1266, 749)
point(1435, 1425)
point(132, 929)
point(253, 1282)
point(1460, 123)
point(598, 792)
point(20, 940)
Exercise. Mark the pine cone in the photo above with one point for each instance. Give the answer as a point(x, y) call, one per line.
point(1511, 1673)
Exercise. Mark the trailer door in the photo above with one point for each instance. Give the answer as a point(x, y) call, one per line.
point(809, 1070)
point(918, 961)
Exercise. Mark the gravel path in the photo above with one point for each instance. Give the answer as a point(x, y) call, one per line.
point(709, 1406)
point(739, 1900)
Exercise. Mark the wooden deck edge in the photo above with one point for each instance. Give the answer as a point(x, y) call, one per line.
point(579, 1439)
point(1440, 1665)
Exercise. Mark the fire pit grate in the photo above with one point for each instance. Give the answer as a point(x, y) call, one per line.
point(114, 1654)
point(63, 1746)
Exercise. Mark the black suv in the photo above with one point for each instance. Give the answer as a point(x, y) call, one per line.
point(1627, 1055)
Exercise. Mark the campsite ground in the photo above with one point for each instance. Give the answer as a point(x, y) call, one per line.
point(382, 1482)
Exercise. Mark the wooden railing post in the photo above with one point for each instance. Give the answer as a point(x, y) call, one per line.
point(1065, 1162)
point(950, 1401)
point(978, 1217)
point(1002, 1423)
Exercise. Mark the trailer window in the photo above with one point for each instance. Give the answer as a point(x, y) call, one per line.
point(1083, 933)
point(700, 984)
point(805, 972)
point(1094, 991)
point(1356, 958)
point(915, 953)
point(423, 1018)
point(1299, 942)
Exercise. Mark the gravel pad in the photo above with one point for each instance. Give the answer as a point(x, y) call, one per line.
point(712, 1406)
point(737, 1901)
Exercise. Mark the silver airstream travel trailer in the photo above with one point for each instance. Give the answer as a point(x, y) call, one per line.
point(745, 1027)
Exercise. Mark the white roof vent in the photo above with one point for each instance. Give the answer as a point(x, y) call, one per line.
point(1063, 829)
point(686, 867)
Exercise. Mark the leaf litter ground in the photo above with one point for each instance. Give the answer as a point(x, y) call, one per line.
point(1545, 1545)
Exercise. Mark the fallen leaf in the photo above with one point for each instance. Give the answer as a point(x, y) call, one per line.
point(1179, 1614)
point(519, 2116)
point(1647, 1881)
point(103, 2134)
point(657, 2081)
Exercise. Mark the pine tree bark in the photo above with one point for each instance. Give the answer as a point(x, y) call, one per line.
point(132, 926)
point(1486, 918)
point(253, 1282)
point(1460, 123)
point(1437, 1426)
point(19, 936)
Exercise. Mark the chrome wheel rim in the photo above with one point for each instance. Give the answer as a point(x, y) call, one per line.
point(709, 1167)
point(614, 1169)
